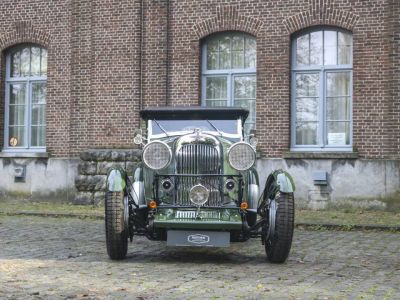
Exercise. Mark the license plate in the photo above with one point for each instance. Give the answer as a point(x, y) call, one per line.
point(198, 238)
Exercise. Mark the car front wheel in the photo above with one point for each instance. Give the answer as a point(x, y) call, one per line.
point(278, 238)
point(116, 227)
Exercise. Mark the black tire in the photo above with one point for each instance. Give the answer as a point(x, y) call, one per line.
point(277, 246)
point(116, 229)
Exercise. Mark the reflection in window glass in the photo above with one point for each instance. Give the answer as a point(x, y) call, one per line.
point(26, 90)
point(228, 57)
point(322, 89)
point(25, 62)
point(344, 48)
point(303, 50)
point(316, 48)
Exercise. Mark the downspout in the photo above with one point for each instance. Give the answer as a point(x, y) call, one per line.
point(141, 61)
point(167, 57)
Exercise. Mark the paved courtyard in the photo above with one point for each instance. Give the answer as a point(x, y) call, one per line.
point(56, 258)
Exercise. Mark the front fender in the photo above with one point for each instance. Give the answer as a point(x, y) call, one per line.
point(285, 181)
point(253, 188)
point(278, 180)
point(138, 186)
point(116, 179)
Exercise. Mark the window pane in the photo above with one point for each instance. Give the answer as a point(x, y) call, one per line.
point(338, 133)
point(307, 109)
point(245, 87)
point(306, 133)
point(307, 85)
point(344, 48)
point(302, 50)
point(43, 65)
point(16, 136)
point(35, 61)
point(338, 108)
point(338, 84)
point(212, 54)
point(237, 60)
point(330, 47)
point(17, 115)
point(237, 43)
point(38, 114)
point(38, 138)
point(25, 61)
point(250, 52)
point(212, 45)
point(225, 53)
point(316, 48)
point(15, 64)
point(245, 96)
point(212, 60)
point(215, 103)
point(216, 88)
point(39, 91)
point(17, 93)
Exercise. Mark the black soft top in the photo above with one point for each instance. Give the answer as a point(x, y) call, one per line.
point(193, 113)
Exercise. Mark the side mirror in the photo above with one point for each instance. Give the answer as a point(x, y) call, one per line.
point(138, 139)
point(252, 138)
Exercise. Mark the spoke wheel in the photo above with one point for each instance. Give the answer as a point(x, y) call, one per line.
point(278, 238)
point(116, 225)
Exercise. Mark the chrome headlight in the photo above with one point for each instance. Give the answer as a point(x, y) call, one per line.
point(199, 195)
point(241, 156)
point(157, 155)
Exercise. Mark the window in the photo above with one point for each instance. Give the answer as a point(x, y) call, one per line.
point(322, 90)
point(229, 73)
point(25, 98)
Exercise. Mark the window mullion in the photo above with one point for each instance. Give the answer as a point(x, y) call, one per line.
point(26, 125)
point(230, 87)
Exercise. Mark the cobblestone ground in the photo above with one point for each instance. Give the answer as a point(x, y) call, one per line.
point(66, 259)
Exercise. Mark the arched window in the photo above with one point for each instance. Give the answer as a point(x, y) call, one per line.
point(229, 72)
point(25, 98)
point(322, 90)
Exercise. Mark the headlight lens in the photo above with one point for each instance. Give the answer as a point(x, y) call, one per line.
point(199, 195)
point(241, 156)
point(157, 155)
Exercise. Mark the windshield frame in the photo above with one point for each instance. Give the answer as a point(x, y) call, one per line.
point(237, 135)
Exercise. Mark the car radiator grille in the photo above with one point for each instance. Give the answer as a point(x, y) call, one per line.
point(198, 159)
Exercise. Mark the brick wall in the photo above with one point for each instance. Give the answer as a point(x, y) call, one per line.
point(94, 79)
point(46, 23)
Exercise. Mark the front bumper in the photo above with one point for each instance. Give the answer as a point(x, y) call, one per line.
point(192, 218)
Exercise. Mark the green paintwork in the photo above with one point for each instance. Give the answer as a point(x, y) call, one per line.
point(285, 181)
point(172, 142)
point(116, 179)
point(225, 218)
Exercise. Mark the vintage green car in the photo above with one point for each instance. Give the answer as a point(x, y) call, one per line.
point(197, 186)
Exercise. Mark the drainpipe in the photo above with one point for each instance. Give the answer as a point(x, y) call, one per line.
point(141, 60)
point(167, 57)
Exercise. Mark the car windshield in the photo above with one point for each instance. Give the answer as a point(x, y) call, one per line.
point(219, 126)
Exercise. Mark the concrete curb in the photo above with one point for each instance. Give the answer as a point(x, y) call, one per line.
point(301, 225)
point(347, 227)
point(52, 215)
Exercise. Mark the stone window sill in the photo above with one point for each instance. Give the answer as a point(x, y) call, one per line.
point(321, 155)
point(24, 154)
